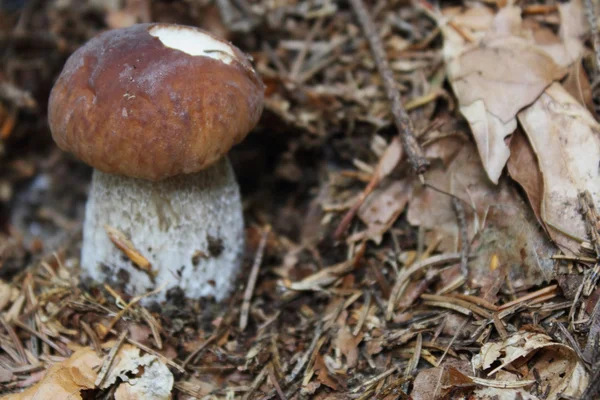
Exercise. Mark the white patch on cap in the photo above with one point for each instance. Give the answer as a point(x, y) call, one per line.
point(193, 42)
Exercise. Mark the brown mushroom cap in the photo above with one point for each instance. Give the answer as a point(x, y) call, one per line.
point(130, 103)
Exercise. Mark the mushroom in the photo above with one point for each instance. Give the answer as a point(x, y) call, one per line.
point(154, 108)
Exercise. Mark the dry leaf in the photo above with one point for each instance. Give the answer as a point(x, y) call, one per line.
point(556, 364)
point(65, 380)
point(155, 383)
point(381, 209)
point(434, 383)
point(143, 377)
point(347, 344)
point(503, 71)
point(489, 393)
point(566, 140)
point(511, 235)
point(523, 168)
point(463, 177)
point(388, 161)
point(578, 86)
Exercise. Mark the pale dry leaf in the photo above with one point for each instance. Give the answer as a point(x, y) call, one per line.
point(494, 78)
point(130, 366)
point(489, 393)
point(573, 27)
point(490, 134)
point(566, 140)
point(65, 380)
point(155, 383)
point(556, 365)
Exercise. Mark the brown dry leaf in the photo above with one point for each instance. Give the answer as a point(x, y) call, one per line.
point(556, 364)
point(578, 86)
point(381, 209)
point(347, 344)
point(464, 178)
point(512, 239)
point(65, 380)
point(523, 168)
point(323, 374)
point(501, 72)
point(435, 383)
point(388, 161)
point(566, 140)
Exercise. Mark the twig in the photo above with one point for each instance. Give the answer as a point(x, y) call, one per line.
point(401, 118)
point(109, 359)
point(459, 302)
point(42, 337)
point(252, 279)
point(15, 339)
point(464, 235)
point(157, 354)
point(458, 331)
point(273, 379)
point(93, 338)
point(302, 361)
point(208, 341)
point(528, 296)
point(256, 383)
point(375, 379)
point(405, 274)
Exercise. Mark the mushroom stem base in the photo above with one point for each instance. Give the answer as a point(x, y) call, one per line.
point(189, 228)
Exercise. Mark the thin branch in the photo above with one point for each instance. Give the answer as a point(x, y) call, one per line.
point(401, 118)
point(253, 278)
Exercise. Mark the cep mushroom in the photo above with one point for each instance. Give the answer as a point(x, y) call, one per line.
point(154, 108)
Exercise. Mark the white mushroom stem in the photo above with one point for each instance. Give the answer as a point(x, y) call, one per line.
point(190, 228)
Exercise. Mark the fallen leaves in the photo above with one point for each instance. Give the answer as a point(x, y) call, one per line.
point(558, 128)
point(531, 354)
point(137, 376)
point(498, 69)
point(65, 380)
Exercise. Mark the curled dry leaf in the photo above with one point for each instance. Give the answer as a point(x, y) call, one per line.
point(500, 71)
point(490, 393)
point(558, 128)
point(143, 377)
point(65, 380)
point(556, 364)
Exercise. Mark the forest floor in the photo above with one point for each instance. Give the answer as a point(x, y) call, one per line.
point(441, 246)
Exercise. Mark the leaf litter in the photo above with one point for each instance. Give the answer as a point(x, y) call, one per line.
point(362, 279)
